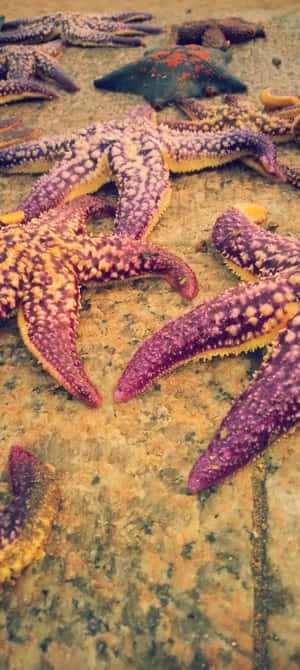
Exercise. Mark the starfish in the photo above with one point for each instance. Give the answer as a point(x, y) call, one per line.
point(11, 133)
point(42, 266)
point(137, 153)
point(164, 75)
point(217, 33)
point(26, 523)
point(93, 30)
point(240, 319)
point(20, 64)
point(240, 112)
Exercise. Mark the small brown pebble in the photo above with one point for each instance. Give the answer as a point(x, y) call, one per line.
point(201, 246)
point(276, 61)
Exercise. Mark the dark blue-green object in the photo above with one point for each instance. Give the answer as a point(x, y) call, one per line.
point(167, 75)
point(1, 21)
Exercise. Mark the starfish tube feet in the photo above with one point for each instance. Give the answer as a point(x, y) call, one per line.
point(26, 523)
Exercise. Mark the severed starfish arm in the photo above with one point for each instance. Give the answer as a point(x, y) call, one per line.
point(136, 153)
point(43, 265)
point(26, 523)
point(240, 319)
point(116, 29)
point(12, 133)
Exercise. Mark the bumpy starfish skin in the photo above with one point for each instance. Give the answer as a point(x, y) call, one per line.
point(26, 523)
point(12, 133)
point(165, 75)
point(238, 320)
point(238, 112)
point(85, 29)
point(217, 33)
point(136, 153)
point(42, 265)
point(21, 64)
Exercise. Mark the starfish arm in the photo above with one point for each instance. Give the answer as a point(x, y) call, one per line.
point(236, 113)
point(98, 30)
point(238, 320)
point(47, 321)
point(292, 174)
point(26, 523)
point(15, 268)
point(48, 67)
point(20, 89)
point(267, 409)
point(249, 250)
point(30, 32)
point(138, 167)
point(239, 30)
point(118, 258)
point(84, 170)
point(37, 156)
point(85, 36)
point(197, 150)
point(11, 133)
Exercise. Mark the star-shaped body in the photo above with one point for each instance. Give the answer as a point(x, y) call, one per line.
point(217, 33)
point(137, 153)
point(43, 264)
point(26, 523)
point(93, 30)
point(166, 75)
point(282, 125)
point(11, 132)
point(246, 317)
point(20, 65)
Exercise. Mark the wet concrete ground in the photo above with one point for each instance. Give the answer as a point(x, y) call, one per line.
point(139, 573)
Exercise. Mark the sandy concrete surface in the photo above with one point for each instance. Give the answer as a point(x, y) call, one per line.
point(138, 573)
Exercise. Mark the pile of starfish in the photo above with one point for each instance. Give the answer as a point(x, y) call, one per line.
point(21, 64)
point(47, 254)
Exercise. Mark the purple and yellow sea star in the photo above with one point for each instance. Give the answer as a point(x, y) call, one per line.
point(26, 523)
point(137, 153)
point(283, 125)
point(94, 30)
point(238, 320)
point(42, 265)
point(21, 64)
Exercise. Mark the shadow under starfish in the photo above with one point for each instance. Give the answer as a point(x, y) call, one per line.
point(96, 30)
point(240, 319)
point(26, 523)
point(280, 121)
point(136, 152)
point(21, 64)
point(42, 267)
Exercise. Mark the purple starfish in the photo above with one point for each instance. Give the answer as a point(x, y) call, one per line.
point(21, 64)
point(240, 319)
point(137, 153)
point(94, 30)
